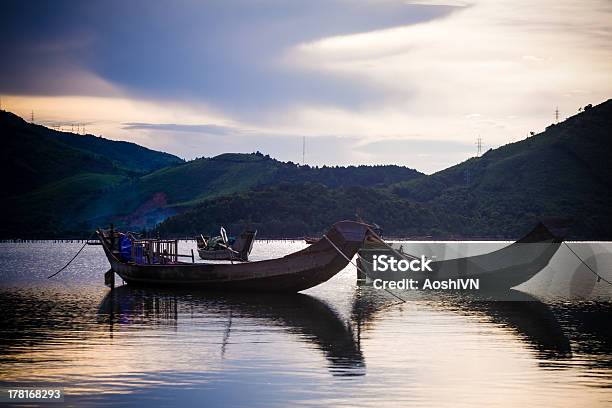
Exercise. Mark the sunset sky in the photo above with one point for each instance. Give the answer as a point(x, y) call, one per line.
point(367, 82)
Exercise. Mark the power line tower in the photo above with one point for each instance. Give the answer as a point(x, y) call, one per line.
point(32, 116)
point(479, 146)
point(303, 150)
point(557, 114)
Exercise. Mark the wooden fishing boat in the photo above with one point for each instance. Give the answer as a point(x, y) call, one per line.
point(155, 262)
point(239, 249)
point(498, 270)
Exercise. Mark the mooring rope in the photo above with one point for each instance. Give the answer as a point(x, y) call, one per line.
point(599, 277)
point(357, 266)
point(73, 258)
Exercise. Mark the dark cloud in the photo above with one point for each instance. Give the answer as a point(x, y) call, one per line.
point(172, 127)
point(224, 52)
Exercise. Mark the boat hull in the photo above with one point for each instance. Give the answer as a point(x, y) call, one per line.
point(292, 273)
point(495, 271)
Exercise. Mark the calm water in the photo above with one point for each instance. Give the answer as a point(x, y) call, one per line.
point(336, 344)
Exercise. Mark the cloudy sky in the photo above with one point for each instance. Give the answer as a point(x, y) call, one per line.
point(413, 83)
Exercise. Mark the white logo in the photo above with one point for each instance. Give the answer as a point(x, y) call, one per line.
point(383, 263)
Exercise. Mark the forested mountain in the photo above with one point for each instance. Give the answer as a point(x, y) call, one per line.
point(564, 172)
point(51, 177)
point(33, 156)
point(294, 210)
point(64, 184)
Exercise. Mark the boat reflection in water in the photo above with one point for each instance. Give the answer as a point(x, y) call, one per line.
point(309, 319)
point(532, 321)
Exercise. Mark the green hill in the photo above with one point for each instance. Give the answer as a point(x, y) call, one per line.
point(563, 172)
point(203, 178)
point(54, 209)
point(33, 156)
point(293, 210)
point(51, 177)
point(62, 183)
point(150, 199)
